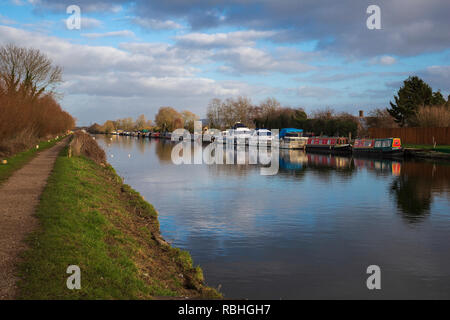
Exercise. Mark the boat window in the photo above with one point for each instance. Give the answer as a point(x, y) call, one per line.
point(386, 143)
point(377, 144)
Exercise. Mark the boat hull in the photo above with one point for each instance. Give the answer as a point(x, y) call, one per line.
point(333, 149)
point(389, 153)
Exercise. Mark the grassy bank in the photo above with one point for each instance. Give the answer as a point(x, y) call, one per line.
point(89, 218)
point(439, 148)
point(19, 160)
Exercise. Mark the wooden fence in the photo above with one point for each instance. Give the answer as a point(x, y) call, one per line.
point(414, 135)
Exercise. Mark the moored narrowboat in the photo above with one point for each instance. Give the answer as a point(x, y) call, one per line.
point(329, 145)
point(388, 147)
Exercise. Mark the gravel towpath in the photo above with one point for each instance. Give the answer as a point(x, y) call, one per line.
point(19, 196)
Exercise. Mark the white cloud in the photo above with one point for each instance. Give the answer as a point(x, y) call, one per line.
point(120, 33)
point(6, 20)
point(316, 92)
point(231, 39)
point(149, 73)
point(241, 60)
point(90, 23)
point(155, 24)
point(383, 60)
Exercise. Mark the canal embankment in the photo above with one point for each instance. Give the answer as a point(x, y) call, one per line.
point(428, 152)
point(89, 218)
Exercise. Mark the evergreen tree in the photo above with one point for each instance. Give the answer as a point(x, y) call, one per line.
point(413, 94)
point(438, 99)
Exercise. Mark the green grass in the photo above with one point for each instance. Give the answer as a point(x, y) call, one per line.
point(90, 219)
point(19, 160)
point(439, 148)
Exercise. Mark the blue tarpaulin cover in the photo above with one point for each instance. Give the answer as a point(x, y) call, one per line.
point(286, 130)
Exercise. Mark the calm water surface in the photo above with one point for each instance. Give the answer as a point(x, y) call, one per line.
point(310, 231)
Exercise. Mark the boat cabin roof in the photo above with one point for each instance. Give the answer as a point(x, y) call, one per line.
point(284, 131)
point(239, 125)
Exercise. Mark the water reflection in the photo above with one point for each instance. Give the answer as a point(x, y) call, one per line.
point(412, 187)
point(416, 186)
point(308, 232)
point(163, 150)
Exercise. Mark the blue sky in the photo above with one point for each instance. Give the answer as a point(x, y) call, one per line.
point(130, 58)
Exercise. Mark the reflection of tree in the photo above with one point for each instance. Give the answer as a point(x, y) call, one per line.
point(418, 183)
point(413, 197)
point(142, 143)
point(163, 150)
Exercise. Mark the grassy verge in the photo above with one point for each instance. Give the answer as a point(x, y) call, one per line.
point(19, 160)
point(439, 148)
point(89, 218)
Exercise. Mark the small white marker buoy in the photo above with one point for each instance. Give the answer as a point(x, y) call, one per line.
point(112, 156)
point(129, 155)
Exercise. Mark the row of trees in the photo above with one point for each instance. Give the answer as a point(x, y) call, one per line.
point(415, 105)
point(167, 119)
point(29, 110)
point(270, 114)
point(125, 124)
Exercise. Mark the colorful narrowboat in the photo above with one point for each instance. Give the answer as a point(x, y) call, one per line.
point(329, 145)
point(389, 147)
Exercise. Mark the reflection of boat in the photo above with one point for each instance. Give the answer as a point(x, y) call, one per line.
point(292, 159)
point(320, 160)
point(379, 165)
point(329, 145)
point(390, 147)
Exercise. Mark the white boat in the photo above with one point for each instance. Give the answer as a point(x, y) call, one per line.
point(293, 140)
point(241, 134)
point(261, 137)
point(223, 136)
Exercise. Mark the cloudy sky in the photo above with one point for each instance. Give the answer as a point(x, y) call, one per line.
point(131, 57)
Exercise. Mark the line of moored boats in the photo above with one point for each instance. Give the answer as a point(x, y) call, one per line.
point(288, 138)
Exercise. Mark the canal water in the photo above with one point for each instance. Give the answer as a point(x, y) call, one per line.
point(310, 231)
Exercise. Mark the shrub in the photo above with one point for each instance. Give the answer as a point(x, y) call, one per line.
point(83, 144)
point(433, 116)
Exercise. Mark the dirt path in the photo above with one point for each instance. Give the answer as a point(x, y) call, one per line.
point(19, 196)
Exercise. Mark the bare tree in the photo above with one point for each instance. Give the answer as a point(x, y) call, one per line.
point(213, 114)
point(324, 114)
point(28, 71)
